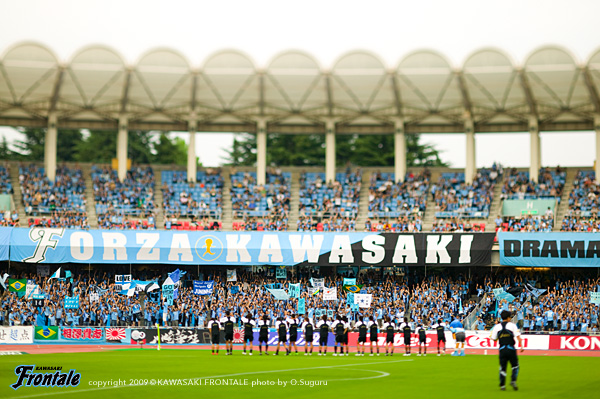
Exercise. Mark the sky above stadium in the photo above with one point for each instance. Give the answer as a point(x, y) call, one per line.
point(326, 29)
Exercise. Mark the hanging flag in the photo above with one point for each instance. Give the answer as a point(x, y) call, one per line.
point(46, 333)
point(294, 290)
point(17, 285)
point(330, 294)
point(349, 281)
point(301, 306)
point(363, 300)
point(313, 291)
point(279, 294)
point(281, 272)
point(231, 275)
point(353, 288)
point(317, 282)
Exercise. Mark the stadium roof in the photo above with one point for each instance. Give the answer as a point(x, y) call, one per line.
point(296, 94)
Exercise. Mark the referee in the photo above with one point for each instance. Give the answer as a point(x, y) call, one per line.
point(505, 333)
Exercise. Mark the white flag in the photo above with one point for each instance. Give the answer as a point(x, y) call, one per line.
point(363, 300)
point(330, 294)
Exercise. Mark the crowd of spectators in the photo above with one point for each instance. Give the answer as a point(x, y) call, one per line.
point(456, 225)
point(334, 223)
point(261, 207)
point(202, 198)
point(550, 184)
point(527, 223)
point(401, 224)
point(388, 198)
point(561, 303)
point(8, 218)
point(5, 184)
point(453, 197)
point(582, 214)
point(127, 204)
point(325, 199)
point(61, 203)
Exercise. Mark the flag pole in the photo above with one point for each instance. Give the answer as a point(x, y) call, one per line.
point(158, 334)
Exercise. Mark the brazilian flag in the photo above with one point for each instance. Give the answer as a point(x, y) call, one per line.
point(18, 286)
point(354, 288)
point(46, 333)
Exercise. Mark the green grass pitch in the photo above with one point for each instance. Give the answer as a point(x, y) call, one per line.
point(472, 376)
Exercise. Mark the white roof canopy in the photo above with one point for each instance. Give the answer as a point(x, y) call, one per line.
point(295, 94)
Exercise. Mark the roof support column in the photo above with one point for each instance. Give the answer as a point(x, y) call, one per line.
point(399, 150)
point(50, 147)
point(470, 166)
point(535, 149)
point(191, 155)
point(597, 129)
point(122, 139)
point(261, 151)
point(329, 150)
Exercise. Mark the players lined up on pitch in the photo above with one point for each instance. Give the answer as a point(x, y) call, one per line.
point(292, 324)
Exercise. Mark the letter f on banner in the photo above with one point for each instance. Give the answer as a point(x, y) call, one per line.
point(45, 239)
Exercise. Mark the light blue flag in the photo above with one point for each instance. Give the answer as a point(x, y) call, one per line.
point(330, 313)
point(350, 299)
point(279, 294)
point(294, 290)
point(72, 302)
point(301, 306)
point(168, 293)
point(354, 307)
point(349, 281)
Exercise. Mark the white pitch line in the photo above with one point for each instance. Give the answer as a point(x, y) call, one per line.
point(218, 376)
point(382, 374)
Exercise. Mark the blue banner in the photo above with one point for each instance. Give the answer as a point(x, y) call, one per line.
point(550, 249)
point(301, 306)
point(5, 234)
point(58, 246)
point(294, 290)
point(350, 298)
point(72, 302)
point(203, 287)
point(168, 291)
point(349, 281)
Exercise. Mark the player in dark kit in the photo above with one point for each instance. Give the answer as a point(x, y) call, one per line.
point(263, 334)
point(373, 334)
point(339, 328)
point(362, 337)
point(440, 327)
point(292, 322)
point(308, 328)
point(215, 334)
point(281, 327)
point(422, 340)
point(505, 333)
point(323, 327)
point(346, 332)
point(406, 331)
point(228, 322)
point(249, 324)
point(389, 329)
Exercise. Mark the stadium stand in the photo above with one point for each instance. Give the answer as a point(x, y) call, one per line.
point(582, 214)
point(124, 205)
point(261, 208)
point(397, 206)
point(329, 206)
point(200, 201)
point(61, 203)
point(7, 218)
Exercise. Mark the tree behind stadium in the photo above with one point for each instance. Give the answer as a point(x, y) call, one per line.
point(309, 150)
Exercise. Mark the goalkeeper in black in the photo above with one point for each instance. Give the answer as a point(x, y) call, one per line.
point(505, 333)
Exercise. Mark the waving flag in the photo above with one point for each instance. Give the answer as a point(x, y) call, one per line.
point(313, 291)
point(363, 300)
point(279, 294)
point(3, 280)
point(301, 306)
point(17, 285)
point(349, 281)
point(317, 282)
point(61, 275)
point(350, 299)
point(353, 288)
point(330, 294)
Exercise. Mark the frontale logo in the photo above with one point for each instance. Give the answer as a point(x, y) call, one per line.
point(209, 248)
point(27, 375)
